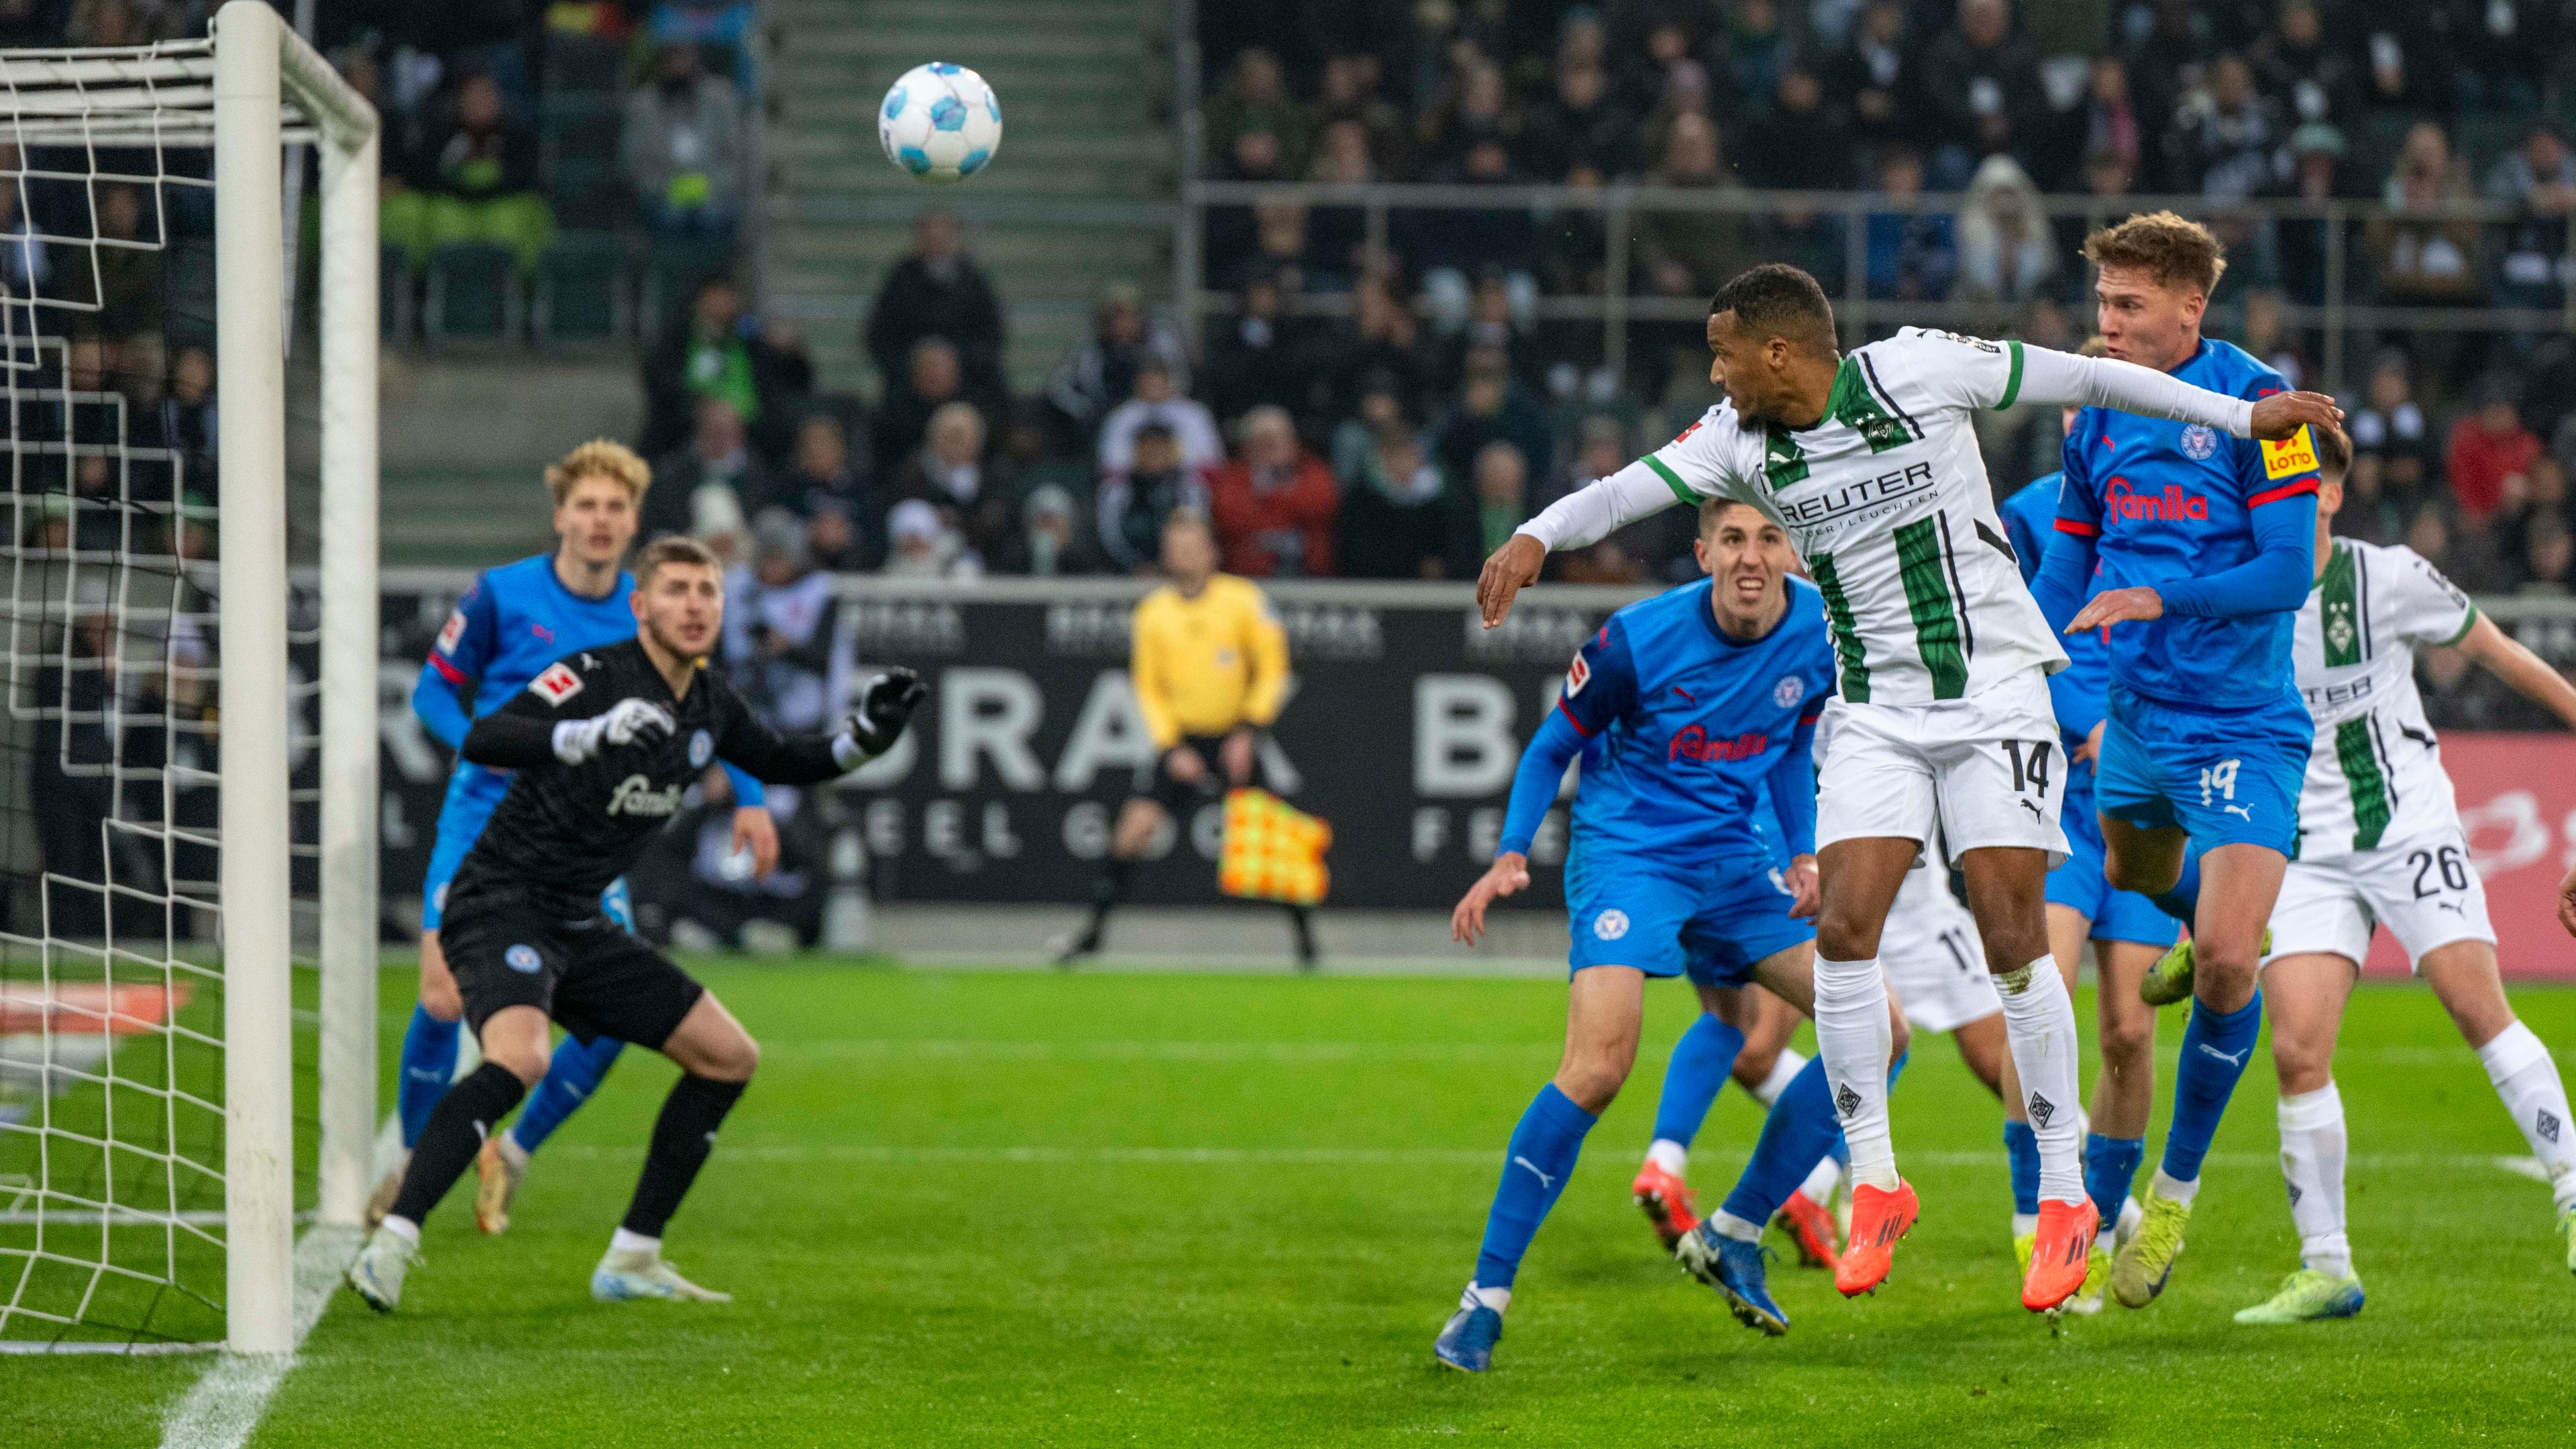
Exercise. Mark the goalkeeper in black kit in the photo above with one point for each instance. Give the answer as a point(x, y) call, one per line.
point(604, 742)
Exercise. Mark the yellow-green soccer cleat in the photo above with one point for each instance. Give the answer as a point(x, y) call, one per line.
point(2169, 980)
point(2024, 1244)
point(2097, 1278)
point(2139, 1271)
point(2308, 1296)
point(2567, 1230)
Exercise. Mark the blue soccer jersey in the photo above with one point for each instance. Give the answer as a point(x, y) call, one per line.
point(1696, 785)
point(2165, 502)
point(509, 626)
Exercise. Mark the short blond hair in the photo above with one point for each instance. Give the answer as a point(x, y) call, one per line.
point(600, 458)
point(2175, 250)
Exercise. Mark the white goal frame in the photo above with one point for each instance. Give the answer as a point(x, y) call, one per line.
point(268, 88)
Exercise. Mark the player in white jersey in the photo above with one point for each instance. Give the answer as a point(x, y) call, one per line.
point(2380, 844)
point(1870, 463)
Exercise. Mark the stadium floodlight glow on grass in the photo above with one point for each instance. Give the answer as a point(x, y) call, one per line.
point(148, 991)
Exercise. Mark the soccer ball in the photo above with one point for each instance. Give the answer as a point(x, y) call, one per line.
point(940, 122)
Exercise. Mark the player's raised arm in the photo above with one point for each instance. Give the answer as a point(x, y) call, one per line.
point(542, 724)
point(1585, 516)
point(455, 664)
point(2068, 380)
point(886, 704)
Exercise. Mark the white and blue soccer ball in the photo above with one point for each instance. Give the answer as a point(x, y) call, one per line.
point(940, 122)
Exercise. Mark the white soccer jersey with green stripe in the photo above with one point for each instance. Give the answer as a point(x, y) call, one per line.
point(1887, 500)
point(2375, 772)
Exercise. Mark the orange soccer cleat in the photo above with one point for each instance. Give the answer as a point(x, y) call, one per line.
point(1813, 1225)
point(1667, 1203)
point(2060, 1256)
point(1879, 1218)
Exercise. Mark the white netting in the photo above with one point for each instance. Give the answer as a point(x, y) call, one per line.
point(112, 1153)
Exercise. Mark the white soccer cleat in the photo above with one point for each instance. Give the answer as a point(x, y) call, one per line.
point(381, 1201)
point(629, 1273)
point(378, 1273)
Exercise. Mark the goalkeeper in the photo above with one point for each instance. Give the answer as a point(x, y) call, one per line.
point(1210, 665)
point(516, 620)
point(604, 743)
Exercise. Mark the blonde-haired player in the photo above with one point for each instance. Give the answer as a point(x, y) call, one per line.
point(2380, 844)
point(512, 623)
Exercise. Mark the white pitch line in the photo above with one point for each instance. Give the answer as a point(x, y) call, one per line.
point(1406, 1156)
point(222, 1408)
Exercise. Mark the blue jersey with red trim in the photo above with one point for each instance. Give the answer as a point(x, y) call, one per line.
point(2166, 501)
point(2079, 689)
point(1681, 725)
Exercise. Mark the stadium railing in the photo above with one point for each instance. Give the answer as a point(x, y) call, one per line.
point(2346, 308)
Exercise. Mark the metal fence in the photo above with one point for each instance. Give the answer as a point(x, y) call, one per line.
point(2343, 303)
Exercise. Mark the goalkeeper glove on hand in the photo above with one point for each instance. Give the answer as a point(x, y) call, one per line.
point(886, 704)
point(629, 721)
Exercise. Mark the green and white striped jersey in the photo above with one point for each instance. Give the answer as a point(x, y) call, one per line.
point(1887, 500)
point(2375, 772)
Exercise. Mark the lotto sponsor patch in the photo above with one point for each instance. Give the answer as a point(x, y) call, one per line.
point(557, 684)
point(2290, 456)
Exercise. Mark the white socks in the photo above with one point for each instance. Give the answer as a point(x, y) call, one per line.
point(1853, 1037)
point(1727, 1225)
point(2039, 1023)
point(2528, 1081)
point(403, 1228)
point(1821, 1179)
point(623, 1241)
point(1784, 1070)
point(1496, 1299)
point(1669, 1155)
point(2312, 1156)
point(2174, 1189)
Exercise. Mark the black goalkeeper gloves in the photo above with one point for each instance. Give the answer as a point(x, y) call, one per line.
point(886, 704)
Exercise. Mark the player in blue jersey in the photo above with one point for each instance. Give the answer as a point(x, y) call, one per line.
point(1684, 708)
point(2205, 545)
point(512, 623)
point(2128, 932)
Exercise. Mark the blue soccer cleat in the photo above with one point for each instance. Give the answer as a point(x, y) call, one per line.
point(1467, 1341)
point(1738, 1269)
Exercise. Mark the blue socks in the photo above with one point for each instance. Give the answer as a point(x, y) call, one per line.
point(2110, 1165)
point(1800, 1130)
point(428, 1064)
point(1535, 1166)
point(569, 1080)
point(2183, 901)
point(2021, 1149)
point(1701, 1062)
point(2215, 1048)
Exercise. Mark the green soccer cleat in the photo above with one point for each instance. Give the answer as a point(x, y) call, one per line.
point(2169, 980)
point(2097, 1277)
point(2139, 1271)
point(2567, 1230)
point(640, 1273)
point(2308, 1296)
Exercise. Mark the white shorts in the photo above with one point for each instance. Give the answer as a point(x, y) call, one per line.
point(2422, 888)
point(1982, 771)
point(1934, 961)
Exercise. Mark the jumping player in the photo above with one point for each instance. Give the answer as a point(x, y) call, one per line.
point(1870, 462)
point(2380, 842)
point(603, 742)
point(2128, 931)
point(1684, 708)
point(513, 622)
point(2205, 542)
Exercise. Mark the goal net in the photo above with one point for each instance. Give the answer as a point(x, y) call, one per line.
point(187, 809)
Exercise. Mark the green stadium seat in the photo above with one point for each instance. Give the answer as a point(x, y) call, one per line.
point(584, 289)
point(471, 293)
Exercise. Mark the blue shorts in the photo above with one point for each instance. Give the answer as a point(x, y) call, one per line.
point(2224, 778)
point(2080, 883)
point(460, 823)
point(1710, 922)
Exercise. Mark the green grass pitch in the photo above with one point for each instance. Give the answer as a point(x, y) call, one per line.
point(1013, 1208)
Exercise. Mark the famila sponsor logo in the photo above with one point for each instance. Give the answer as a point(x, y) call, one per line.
point(2120, 500)
point(635, 795)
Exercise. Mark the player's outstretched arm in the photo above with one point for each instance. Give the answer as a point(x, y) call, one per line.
point(2274, 581)
point(885, 707)
point(1585, 516)
point(2508, 659)
point(2065, 379)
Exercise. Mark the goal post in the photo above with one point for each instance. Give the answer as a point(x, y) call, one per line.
point(191, 745)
